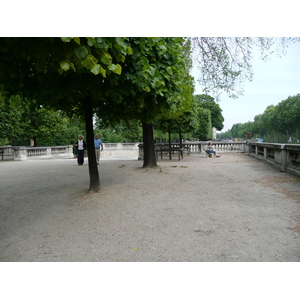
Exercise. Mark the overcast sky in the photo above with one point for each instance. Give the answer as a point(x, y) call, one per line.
point(274, 80)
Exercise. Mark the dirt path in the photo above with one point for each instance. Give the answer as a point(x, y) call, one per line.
point(233, 208)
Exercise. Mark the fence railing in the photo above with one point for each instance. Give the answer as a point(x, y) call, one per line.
point(285, 157)
point(198, 147)
point(24, 153)
point(120, 151)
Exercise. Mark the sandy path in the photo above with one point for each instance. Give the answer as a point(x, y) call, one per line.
point(234, 208)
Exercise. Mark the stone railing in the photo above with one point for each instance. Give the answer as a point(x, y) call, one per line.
point(111, 151)
point(285, 157)
point(197, 147)
point(120, 151)
point(24, 153)
point(8, 150)
point(220, 146)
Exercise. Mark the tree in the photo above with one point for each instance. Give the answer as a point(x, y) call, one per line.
point(225, 62)
point(204, 130)
point(60, 72)
point(276, 124)
point(11, 125)
point(208, 102)
point(287, 115)
point(152, 84)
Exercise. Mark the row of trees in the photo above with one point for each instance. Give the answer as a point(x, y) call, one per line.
point(278, 123)
point(22, 123)
point(142, 79)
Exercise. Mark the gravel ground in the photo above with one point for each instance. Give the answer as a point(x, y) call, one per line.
point(228, 209)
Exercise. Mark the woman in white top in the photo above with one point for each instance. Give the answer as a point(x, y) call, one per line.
point(211, 149)
point(80, 146)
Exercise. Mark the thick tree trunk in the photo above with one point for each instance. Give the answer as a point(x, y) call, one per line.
point(170, 143)
point(149, 147)
point(93, 170)
point(180, 140)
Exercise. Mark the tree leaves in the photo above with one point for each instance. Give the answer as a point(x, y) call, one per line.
point(115, 68)
point(106, 58)
point(81, 52)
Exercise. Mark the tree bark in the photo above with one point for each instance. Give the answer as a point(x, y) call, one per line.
point(93, 169)
point(149, 147)
point(180, 139)
point(170, 142)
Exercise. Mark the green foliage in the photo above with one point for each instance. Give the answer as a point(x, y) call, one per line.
point(124, 132)
point(276, 124)
point(208, 102)
point(22, 120)
point(204, 131)
point(152, 82)
point(11, 125)
point(59, 71)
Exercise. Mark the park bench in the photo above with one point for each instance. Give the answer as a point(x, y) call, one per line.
point(2, 153)
point(187, 148)
point(167, 150)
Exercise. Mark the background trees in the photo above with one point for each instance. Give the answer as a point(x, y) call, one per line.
point(277, 124)
point(24, 122)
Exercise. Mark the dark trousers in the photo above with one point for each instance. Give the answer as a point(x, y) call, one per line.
point(80, 157)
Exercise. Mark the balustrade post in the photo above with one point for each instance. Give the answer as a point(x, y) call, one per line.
point(283, 158)
point(20, 153)
point(48, 152)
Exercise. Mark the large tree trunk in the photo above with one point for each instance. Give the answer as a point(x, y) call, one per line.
point(180, 140)
point(33, 142)
point(149, 147)
point(93, 170)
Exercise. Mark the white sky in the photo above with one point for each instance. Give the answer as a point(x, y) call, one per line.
point(273, 81)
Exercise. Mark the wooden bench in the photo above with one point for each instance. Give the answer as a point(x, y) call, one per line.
point(187, 148)
point(168, 150)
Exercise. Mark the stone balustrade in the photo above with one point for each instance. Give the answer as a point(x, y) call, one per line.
point(120, 151)
point(197, 147)
point(285, 157)
point(8, 150)
point(24, 153)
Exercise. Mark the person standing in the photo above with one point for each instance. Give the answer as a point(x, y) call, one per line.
point(98, 145)
point(80, 146)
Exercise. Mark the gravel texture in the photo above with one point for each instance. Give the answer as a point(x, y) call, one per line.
point(228, 209)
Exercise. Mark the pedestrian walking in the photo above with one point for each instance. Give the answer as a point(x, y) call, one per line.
point(80, 147)
point(98, 145)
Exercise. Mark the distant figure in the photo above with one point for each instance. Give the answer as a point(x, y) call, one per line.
point(211, 149)
point(98, 144)
point(80, 147)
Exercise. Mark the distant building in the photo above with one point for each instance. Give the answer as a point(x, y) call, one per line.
point(214, 130)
